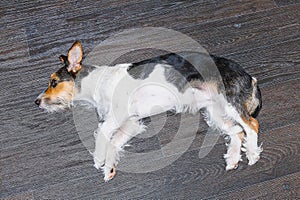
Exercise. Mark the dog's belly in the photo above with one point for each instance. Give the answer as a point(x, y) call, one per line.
point(153, 99)
point(155, 94)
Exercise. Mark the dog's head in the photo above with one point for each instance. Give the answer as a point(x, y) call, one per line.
point(61, 87)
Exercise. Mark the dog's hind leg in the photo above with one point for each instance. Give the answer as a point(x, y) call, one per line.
point(233, 155)
point(252, 150)
point(250, 127)
point(125, 132)
point(217, 118)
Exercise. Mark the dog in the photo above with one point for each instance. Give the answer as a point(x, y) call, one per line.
point(125, 94)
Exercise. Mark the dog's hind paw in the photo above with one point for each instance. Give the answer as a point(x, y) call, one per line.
point(232, 161)
point(231, 167)
point(253, 156)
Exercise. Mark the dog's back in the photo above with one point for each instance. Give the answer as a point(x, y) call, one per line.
point(241, 89)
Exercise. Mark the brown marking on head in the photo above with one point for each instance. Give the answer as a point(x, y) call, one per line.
point(252, 123)
point(64, 88)
point(61, 88)
point(54, 76)
point(59, 93)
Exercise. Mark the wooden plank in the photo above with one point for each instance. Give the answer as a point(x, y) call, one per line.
point(191, 177)
point(24, 196)
point(271, 65)
point(242, 33)
point(281, 106)
point(278, 156)
point(286, 2)
point(60, 27)
point(71, 161)
point(43, 157)
point(286, 187)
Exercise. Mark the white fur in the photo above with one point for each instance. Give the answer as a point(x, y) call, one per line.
point(123, 100)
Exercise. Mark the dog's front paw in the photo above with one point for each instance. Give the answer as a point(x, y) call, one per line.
point(98, 163)
point(111, 161)
point(109, 173)
point(107, 160)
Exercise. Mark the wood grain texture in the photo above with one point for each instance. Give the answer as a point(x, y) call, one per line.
point(42, 155)
point(197, 176)
point(286, 187)
point(286, 2)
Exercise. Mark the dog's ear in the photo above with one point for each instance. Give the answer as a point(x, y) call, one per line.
point(64, 59)
point(75, 54)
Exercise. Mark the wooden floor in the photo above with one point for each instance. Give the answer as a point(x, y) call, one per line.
point(42, 156)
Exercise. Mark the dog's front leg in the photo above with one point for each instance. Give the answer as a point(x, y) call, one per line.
point(103, 144)
point(128, 129)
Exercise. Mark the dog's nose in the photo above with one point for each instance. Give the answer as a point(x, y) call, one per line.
point(37, 102)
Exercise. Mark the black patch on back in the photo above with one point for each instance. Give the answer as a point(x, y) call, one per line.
point(179, 72)
point(237, 83)
point(141, 70)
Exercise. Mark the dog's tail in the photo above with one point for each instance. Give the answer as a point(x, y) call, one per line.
point(254, 103)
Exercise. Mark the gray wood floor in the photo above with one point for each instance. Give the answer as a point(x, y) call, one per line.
point(42, 156)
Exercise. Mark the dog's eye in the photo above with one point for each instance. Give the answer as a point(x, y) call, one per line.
point(54, 83)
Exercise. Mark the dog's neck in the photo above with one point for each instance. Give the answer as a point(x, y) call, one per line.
point(95, 84)
point(85, 84)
